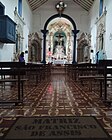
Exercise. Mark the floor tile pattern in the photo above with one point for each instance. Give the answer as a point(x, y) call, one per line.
point(59, 96)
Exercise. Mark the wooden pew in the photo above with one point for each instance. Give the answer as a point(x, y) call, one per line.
point(96, 72)
point(38, 72)
point(107, 73)
point(92, 73)
point(12, 72)
point(87, 73)
point(34, 72)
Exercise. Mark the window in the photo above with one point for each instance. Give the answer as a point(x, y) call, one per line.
point(20, 7)
point(101, 8)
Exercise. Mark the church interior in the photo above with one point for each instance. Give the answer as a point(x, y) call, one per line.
point(67, 68)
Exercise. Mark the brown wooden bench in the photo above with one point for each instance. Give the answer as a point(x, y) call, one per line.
point(92, 73)
point(87, 73)
point(13, 72)
point(107, 70)
point(37, 72)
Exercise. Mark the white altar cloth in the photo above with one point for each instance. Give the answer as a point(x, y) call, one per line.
point(59, 62)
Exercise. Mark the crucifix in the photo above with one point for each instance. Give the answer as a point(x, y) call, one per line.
point(60, 41)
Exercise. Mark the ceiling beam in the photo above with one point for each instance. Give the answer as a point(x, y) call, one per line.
point(89, 2)
point(36, 3)
point(32, 1)
point(39, 4)
point(82, 5)
point(85, 4)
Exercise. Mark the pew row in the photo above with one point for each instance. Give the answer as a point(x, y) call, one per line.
point(93, 73)
point(12, 72)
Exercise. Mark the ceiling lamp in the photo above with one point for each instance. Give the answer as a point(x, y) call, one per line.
point(60, 6)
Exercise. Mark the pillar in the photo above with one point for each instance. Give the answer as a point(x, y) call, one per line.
point(44, 45)
point(74, 45)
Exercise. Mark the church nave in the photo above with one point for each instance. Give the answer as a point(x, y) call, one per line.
point(58, 96)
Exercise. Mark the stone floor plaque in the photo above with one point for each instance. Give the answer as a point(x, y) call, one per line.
point(56, 128)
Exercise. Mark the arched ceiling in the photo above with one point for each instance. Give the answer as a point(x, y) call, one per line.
point(85, 4)
point(62, 24)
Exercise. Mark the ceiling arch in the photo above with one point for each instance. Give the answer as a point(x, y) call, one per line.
point(85, 4)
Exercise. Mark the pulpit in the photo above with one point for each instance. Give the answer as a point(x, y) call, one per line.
point(7, 29)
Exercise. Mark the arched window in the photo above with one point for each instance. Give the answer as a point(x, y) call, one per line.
point(20, 7)
point(101, 8)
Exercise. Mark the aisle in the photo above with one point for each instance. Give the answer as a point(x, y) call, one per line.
point(58, 97)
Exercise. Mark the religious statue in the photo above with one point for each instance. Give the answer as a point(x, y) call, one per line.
point(87, 53)
point(59, 52)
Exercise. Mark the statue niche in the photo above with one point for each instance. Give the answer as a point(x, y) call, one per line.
point(34, 47)
point(83, 49)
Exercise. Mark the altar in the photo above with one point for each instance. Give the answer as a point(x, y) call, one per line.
point(61, 62)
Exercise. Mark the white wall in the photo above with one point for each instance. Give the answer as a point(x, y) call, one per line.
point(79, 15)
point(6, 50)
point(10, 7)
point(93, 15)
point(35, 21)
point(28, 18)
point(108, 42)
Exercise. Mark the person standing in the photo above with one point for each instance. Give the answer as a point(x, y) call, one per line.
point(21, 57)
point(97, 57)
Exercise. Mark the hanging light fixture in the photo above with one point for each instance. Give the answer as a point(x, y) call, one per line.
point(60, 6)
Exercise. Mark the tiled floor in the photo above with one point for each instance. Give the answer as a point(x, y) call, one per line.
point(58, 97)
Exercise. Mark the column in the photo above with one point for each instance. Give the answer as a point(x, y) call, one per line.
point(44, 45)
point(74, 45)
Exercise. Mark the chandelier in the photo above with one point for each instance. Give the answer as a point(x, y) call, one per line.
point(60, 6)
